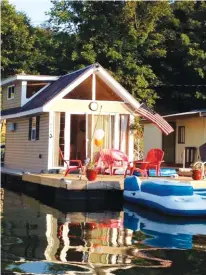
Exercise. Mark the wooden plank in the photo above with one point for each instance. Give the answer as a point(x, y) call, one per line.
point(32, 178)
point(73, 182)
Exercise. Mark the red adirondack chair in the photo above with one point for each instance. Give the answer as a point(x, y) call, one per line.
point(153, 159)
point(72, 164)
point(112, 160)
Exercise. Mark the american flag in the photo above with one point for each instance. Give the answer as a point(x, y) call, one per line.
point(154, 117)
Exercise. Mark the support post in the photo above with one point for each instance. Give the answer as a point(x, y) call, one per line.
point(67, 136)
point(116, 131)
point(24, 100)
point(51, 140)
point(131, 140)
point(93, 87)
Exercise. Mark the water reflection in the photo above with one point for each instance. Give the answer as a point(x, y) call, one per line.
point(39, 239)
point(163, 231)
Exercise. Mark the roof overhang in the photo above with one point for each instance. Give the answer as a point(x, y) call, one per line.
point(21, 114)
point(185, 115)
point(28, 77)
point(176, 116)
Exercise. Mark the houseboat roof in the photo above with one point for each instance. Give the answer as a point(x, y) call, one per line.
point(194, 113)
point(47, 94)
point(63, 85)
point(28, 77)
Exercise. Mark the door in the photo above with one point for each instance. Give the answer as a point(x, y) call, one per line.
point(78, 137)
point(168, 145)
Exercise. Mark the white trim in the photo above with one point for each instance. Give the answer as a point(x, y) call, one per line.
point(29, 77)
point(184, 114)
point(93, 87)
point(110, 129)
point(92, 138)
point(51, 140)
point(131, 141)
point(86, 135)
point(56, 138)
point(23, 92)
point(8, 92)
point(8, 80)
point(116, 131)
point(30, 98)
point(26, 113)
point(69, 88)
point(98, 101)
point(67, 136)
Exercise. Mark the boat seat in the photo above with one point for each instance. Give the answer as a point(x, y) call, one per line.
point(167, 188)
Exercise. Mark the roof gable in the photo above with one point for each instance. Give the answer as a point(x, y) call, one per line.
point(48, 93)
point(65, 84)
point(84, 91)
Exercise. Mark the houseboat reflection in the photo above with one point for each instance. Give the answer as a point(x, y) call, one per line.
point(33, 232)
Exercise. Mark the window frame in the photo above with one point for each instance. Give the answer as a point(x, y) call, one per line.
point(181, 135)
point(34, 128)
point(9, 98)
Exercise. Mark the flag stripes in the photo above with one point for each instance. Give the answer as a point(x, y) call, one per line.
point(154, 117)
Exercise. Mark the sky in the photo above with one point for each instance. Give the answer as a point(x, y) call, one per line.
point(35, 9)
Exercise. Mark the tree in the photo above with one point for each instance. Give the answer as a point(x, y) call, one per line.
point(182, 73)
point(115, 34)
point(17, 40)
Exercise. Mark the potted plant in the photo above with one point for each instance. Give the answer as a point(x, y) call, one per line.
point(197, 172)
point(91, 172)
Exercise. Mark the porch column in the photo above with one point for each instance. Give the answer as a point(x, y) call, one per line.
point(116, 131)
point(91, 140)
point(24, 100)
point(87, 136)
point(93, 87)
point(51, 140)
point(67, 136)
point(56, 139)
point(131, 140)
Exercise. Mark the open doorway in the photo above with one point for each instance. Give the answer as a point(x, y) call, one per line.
point(78, 137)
point(168, 146)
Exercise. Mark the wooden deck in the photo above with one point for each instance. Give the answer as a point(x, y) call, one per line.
point(103, 182)
point(73, 181)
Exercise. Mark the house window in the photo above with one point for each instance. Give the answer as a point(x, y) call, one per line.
point(181, 134)
point(34, 123)
point(10, 92)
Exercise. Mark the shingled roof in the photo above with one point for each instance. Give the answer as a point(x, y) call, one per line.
point(48, 93)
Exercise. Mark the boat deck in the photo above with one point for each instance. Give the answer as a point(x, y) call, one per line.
point(102, 182)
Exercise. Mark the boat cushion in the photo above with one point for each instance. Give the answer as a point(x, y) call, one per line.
point(132, 183)
point(166, 188)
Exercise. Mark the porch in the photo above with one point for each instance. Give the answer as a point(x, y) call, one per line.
point(73, 135)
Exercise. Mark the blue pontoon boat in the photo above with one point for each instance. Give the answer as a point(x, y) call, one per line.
point(170, 197)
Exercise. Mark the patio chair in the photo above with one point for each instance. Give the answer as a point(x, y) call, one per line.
point(111, 159)
point(72, 164)
point(153, 159)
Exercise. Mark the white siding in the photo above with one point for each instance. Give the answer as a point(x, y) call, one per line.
point(152, 138)
point(23, 154)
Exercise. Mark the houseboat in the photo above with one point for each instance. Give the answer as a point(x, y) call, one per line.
point(46, 113)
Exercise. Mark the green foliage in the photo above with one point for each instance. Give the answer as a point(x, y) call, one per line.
point(17, 40)
point(150, 47)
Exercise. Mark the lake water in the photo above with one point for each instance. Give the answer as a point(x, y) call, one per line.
point(39, 239)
